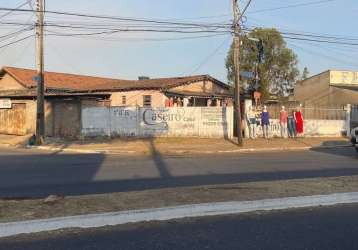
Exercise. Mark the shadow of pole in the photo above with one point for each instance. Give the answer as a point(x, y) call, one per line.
point(158, 160)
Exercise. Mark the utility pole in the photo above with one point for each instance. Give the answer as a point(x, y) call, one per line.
point(40, 112)
point(236, 27)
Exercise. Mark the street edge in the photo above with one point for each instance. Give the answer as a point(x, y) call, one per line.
point(170, 213)
point(244, 150)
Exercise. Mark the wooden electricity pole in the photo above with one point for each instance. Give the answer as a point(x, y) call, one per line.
point(236, 27)
point(40, 112)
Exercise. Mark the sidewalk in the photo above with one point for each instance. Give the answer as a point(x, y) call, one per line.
point(175, 145)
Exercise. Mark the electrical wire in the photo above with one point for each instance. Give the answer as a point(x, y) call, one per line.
point(138, 39)
point(313, 38)
point(17, 41)
point(10, 35)
point(291, 6)
point(245, 8)
point(117, 18)
point(315, 52)
point(207, 59)
point(11, 11)
point(320, 41)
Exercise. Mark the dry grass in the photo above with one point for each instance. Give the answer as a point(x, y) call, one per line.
point(16, 210)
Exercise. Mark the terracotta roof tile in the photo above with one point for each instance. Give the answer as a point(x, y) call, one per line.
point(80, 83)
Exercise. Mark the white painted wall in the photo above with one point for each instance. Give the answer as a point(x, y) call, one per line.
point(208, 122)
point(95, 121)
point(310, 128)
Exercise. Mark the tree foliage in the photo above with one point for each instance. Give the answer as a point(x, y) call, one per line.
point(278, 72)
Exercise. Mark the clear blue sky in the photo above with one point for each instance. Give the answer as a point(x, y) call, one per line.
point(128, 59)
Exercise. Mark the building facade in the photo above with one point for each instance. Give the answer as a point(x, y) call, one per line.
point(331, 88)
point(67, 94)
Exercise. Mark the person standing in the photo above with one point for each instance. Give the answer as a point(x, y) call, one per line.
point(291, 122)
point(283, 122)
point(265, 122)
point(251, 122)
point(299, 121)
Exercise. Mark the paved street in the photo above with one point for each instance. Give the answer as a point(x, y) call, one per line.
point(27, 173)
point(316, 228)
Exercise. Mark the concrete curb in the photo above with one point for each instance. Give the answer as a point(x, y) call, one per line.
point(170, 213)
point(244, 150)
point(70, 150)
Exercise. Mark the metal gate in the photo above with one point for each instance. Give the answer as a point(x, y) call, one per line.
point(354, 116)
point(13, 121)
point(67, 118)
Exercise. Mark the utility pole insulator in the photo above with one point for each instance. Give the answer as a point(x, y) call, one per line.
point(236, 27)
point(40, 110)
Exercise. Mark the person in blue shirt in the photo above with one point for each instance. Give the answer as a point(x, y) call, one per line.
point(265, 122)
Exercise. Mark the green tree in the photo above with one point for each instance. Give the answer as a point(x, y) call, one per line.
point(305, 74)
point(278, 72)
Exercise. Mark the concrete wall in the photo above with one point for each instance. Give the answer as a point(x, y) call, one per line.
point(135, 98)
point(319, 128)
point(341, 96)
point(314, 91)
point(170, 122)
point(325, 91)
point(202, 87)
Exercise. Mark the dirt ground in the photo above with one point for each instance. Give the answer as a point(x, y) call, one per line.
point(192, 145)
point(18, 210)
point(168, 145)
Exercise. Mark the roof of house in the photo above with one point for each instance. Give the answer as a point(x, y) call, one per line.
point(81, 83)
point(32, 93)
point(195, 94)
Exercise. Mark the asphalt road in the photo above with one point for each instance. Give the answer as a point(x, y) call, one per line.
point(318, 228)
point(29, 173)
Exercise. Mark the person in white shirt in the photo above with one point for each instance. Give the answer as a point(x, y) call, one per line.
point(251, 122)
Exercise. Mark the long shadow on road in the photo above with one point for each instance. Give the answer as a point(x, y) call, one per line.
point(30, 175)
point(84, 186)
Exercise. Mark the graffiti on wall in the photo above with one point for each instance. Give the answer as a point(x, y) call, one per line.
point(145, 122)
point(123, 121)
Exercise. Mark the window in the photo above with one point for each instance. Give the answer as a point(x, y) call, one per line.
point(147, 100)
point(124, 100)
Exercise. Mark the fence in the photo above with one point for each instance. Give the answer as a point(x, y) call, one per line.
point(318, 121)
point(312, 128)
point(153, 122)
point(311, 113)
point(354, 116)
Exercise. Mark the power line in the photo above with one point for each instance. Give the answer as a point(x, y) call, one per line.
point(291, 6)
point(329, 49)
point(315, 52)
point(138, 39)
point(310, 34)
point(320, 41)
point(186, 30)
point(11, 11)
point(22, 52)
point(210, 56)
point(314, 38)
point(9, 35)
point(137, 30)
point(17, 41)
point(245, 8)
point(116, 18)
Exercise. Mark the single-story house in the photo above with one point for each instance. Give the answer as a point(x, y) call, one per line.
point(67, 94)
point(330, 88)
